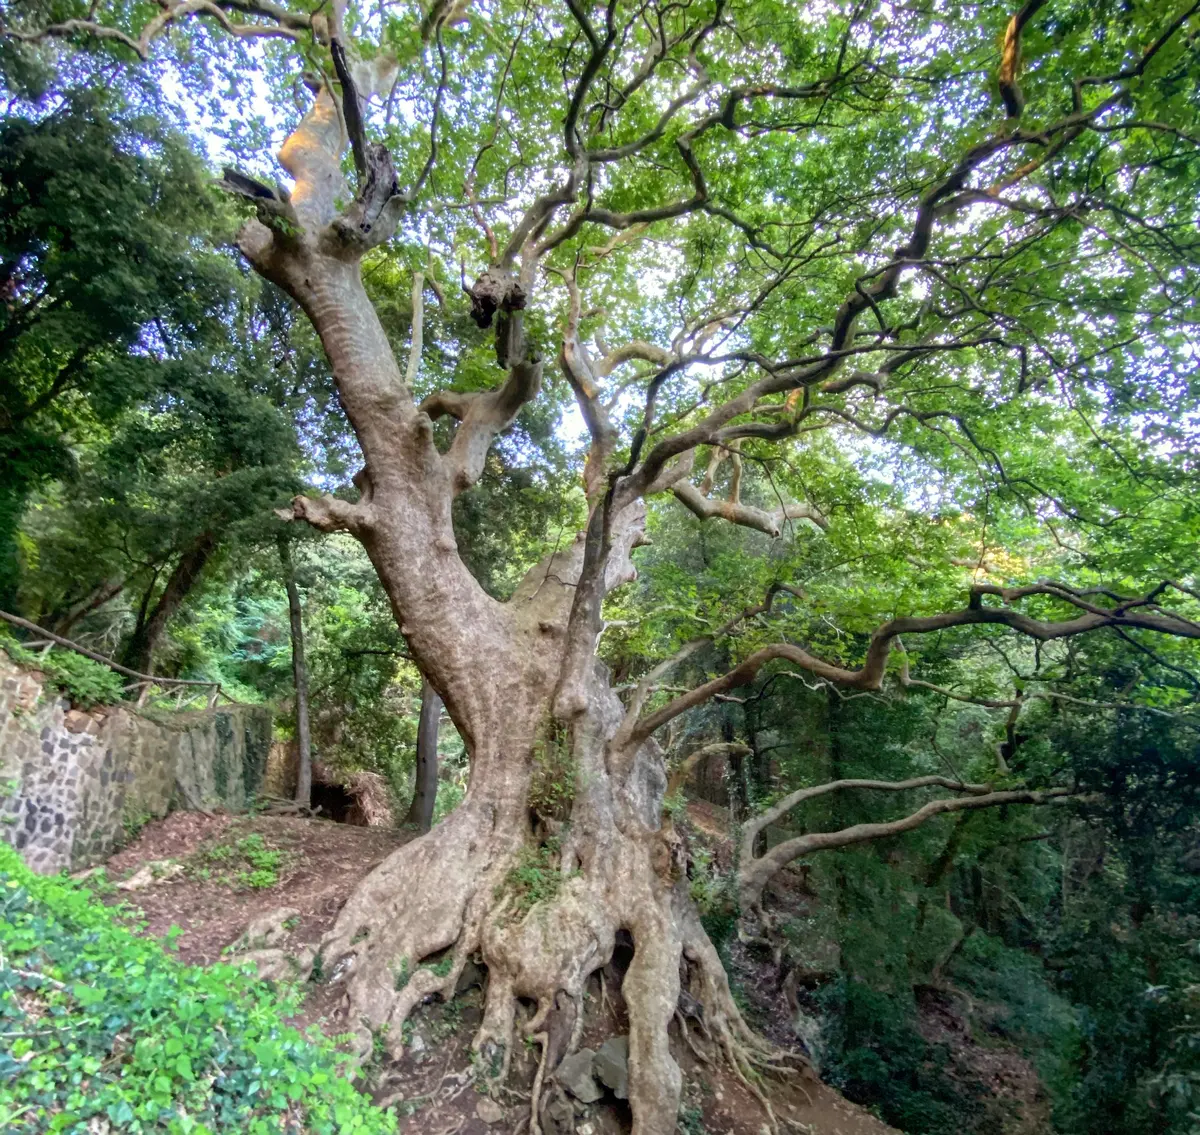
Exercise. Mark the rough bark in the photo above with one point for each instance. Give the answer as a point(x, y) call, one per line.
point(299, 676)
point(425, 781)
point(520, 681)
point(139, 652)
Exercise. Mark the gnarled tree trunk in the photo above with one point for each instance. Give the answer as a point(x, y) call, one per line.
point(550, 745)
point(139, 652)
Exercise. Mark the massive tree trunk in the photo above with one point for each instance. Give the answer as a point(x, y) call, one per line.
point(560, 780)
point(612, 868)
point(425, 780)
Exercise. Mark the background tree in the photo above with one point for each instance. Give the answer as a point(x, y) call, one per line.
point(100, 206)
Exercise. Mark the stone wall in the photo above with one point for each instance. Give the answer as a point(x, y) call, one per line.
point(73, 782)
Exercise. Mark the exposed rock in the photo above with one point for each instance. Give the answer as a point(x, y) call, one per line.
point(558, 1116)
point(575, 1074)
point(489, 1111)
point(76, 721)
point(156, 871)
point(267, 930)
point(611, 1066)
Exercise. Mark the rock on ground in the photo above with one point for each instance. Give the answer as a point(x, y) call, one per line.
point(575, 1074)
point(611, 1066)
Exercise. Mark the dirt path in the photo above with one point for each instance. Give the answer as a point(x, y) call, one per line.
point(319, 866)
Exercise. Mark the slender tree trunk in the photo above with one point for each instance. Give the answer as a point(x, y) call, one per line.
point(420, 812)
point(139, 652)
point(99, 595)
point(299, 676)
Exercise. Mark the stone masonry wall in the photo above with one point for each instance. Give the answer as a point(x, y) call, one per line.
point(72, 782)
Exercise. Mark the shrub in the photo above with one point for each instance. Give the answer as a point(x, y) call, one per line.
point(98, 1024)
point(878, 1058)
point(534, 878)
point(85, 682)
point(713, 894)
point(552, 786)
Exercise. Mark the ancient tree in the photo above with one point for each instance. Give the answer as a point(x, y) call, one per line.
point(828, 223)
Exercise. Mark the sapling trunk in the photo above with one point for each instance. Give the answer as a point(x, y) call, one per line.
point(299, 675)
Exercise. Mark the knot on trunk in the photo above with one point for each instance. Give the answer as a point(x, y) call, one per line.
point(494, 290)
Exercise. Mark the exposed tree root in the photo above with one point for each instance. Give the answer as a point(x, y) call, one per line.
point(462, 891)
point(543, 902)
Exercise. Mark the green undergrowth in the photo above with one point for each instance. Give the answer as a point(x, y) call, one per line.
point(712, 892)
point(245, 862)
point(552, 786)
point(534, 878)
point(86, 683)
point(103, 1030)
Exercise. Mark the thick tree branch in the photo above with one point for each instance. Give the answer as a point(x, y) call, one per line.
point(772, 815)
point(328, 514)
point(754, 874)
point(582, 375)
point(1130, 613)
point(416, 338)
point(486, 415)
point(744, 514)
point(683, 770)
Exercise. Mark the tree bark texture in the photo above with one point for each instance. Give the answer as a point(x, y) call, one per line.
point(425, 781)
point(299, 676)
point(139, 653)
point(550, 745)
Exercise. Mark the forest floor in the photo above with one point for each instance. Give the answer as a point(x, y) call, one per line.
point(208, 876)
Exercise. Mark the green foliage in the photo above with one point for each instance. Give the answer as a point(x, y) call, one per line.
point(691, 1121)
point(132, 823)
point(244, 862)
point(97, 210)
point(442, 967)
point(1021, 404)
point(99, 1025)
point(86, 683)
point(534, 878)
point(713, 893)
point(878, 1058)
point(675, 805)
point(1017, 1001)
point(552, 786)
